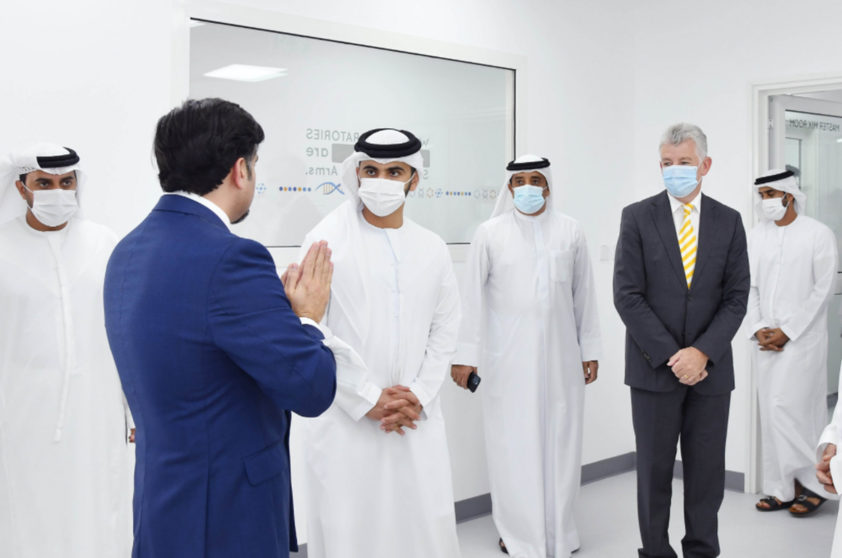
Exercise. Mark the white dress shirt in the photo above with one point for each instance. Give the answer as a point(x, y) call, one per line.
point(678, 213)
point(207, 203)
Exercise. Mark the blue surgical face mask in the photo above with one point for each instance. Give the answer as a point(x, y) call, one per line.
point(529, 199)
point(680, 180)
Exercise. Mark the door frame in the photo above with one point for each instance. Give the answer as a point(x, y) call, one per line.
point(759, 133)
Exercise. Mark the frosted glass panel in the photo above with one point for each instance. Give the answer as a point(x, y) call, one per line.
point(814, 148)
point(814, 152)
point(327, 94)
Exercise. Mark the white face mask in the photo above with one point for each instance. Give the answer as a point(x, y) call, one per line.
point(774, 208)
point(54, 207)
point(383, 196)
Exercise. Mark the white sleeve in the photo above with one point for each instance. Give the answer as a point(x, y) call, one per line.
point(825, 268)
point(584, 303)
point(754, 319)
point(441, 341)
point(354, 393)
point(831, 434)
point(473, 295)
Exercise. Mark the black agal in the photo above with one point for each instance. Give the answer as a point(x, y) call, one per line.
point(388, 151)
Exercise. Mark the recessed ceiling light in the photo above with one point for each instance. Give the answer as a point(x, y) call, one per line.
point(242, 72)
point(839, 140)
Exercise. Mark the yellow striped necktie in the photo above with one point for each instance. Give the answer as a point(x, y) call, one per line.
point(688, 243)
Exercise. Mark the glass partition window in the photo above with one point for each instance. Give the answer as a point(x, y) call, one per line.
point(314, 98)
point(814, 152)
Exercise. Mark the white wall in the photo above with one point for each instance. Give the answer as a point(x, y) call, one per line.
point(92, 75)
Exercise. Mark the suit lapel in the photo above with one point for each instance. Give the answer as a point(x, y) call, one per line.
point(662, 215)
point(708, 222)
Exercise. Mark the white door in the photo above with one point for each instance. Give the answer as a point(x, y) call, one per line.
point(805, 136)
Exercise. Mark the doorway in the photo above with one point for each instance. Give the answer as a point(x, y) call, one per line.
point(805, 136)
point(794, 122)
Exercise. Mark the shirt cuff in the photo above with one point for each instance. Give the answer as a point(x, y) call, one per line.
point(371, 394)
point(423, 398)
point(467, 354)
point(835, 473)
point(829, 436)
point(326, 333)
point(789, 333)
point(591, 349)
point(357, 403)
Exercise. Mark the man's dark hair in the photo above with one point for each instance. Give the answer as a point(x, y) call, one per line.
point(197, 143)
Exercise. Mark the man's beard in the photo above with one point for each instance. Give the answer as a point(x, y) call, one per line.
point(241, 219)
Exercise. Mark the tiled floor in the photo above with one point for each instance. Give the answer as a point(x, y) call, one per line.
point(608, 526)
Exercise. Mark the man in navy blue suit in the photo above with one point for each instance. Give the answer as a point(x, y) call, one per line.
point(213, 351)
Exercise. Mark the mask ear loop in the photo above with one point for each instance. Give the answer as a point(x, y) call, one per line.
point(408, 184)
point(33, 197)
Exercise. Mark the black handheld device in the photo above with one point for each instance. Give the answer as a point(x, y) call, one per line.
point(473, 381)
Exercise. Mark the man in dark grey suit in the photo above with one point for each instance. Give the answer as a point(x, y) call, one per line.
point(681, 283)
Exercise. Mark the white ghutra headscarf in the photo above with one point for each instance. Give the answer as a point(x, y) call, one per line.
point(783, 181)
point(46, 157)
point(525, 163)
point(350, 289)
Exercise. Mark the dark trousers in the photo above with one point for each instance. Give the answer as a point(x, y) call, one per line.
point(701, 422)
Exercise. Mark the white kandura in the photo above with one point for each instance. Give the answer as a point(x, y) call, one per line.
point(65, 483)
point(530, 321)
point(793, 273)
point(395, 302)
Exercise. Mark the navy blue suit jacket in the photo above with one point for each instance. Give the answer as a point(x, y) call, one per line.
point(212, 360)
point(661, 314)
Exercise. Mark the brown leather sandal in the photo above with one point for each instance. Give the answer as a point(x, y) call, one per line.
point(808, 505)
point(773, 504)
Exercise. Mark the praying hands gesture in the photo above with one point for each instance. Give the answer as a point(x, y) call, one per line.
point(772, 339)
point(823, 469)
point(397, 408)
point(308, 286)
point(689, 365)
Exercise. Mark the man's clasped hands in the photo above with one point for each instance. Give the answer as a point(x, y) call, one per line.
point(307, 287)
point(397, 408)
point(689, 366)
